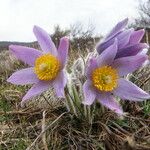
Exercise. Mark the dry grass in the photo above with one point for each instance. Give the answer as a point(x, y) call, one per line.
point(45, 124)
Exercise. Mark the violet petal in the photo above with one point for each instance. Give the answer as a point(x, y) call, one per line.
point(89, 93)
point(129, 64)
point(63, 50)
point(23, 77)
point(136, 36)
point(108, 101)
point(91, 65)
point(36, 89)
point(122, 37)
point(131, 50)
point(107, 56)
point(26, 54)
point(59, 84)
point(128, 90)
point(45, 41)
point(119, 26)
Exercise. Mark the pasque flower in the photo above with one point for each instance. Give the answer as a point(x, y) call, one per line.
point(128, 40)
point(46, 66)
point(105, 79)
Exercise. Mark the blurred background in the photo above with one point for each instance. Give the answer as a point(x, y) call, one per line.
point(19, 16)
point(75, 18)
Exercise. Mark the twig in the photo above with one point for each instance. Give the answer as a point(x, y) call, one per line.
point(34, 142)
point(120, 128)
point(47, 101)
point(13, 112)
point(136, 118)
point(147, 79)
point(44, 136)
point(18, 112)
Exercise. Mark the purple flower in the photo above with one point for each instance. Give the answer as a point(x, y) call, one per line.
point(128, 40)
point(105, 79)
point(46, 66)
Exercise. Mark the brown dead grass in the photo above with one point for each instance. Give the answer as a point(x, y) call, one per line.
point(41, 125)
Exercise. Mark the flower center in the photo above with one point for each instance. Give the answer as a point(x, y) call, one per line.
point(105, 78)
point(47, 67)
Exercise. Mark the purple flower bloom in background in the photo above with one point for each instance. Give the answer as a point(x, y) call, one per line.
point(105, 79)
point(128, 40)
point(46, 66)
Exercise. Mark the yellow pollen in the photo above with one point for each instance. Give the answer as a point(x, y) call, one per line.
point(43, 67)
point(47, 67)
point(105, 78)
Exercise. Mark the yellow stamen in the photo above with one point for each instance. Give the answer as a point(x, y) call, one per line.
point(105, 78)
point(47, 67)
